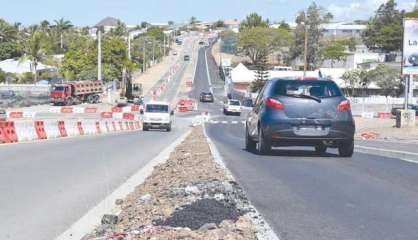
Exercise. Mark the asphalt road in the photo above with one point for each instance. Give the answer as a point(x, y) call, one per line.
point(47, 186)
point(305, 196)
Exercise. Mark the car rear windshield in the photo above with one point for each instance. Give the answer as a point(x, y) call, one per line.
point(314, 88)
point(157, 108)
point(234, 103)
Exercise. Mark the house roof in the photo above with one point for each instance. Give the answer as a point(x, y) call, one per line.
point(19, 67)
point(232, 22)
point(108, 21)
point(241, 74)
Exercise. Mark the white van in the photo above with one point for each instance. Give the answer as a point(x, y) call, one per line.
point(157, 115)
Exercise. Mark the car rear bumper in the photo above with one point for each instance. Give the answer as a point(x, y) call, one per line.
point(290, 135)
point(156, 124)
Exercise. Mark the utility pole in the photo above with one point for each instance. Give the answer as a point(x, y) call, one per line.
point(144, 62)
point(305, 65)
point(99, 55)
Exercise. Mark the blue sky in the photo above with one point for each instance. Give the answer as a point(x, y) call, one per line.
point(89, 12)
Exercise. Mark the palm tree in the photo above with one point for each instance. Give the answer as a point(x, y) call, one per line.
point(7, 32)
point(62, 26)
point(35, 50)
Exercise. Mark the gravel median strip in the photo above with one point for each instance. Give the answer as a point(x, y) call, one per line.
point(190, 196)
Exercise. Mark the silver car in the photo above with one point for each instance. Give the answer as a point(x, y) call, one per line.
point(3, 115)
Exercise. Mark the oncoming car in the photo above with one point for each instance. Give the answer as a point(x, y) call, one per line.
point(3, 115)
point(232, 106)
point(157, 115)
point(301, 113)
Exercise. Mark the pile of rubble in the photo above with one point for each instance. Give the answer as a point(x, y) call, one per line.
point(188, 197)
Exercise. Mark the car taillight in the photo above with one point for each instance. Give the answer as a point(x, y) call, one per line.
point(275, 104)
point(344, 106)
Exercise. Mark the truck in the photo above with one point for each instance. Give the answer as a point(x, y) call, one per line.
point(76, 92)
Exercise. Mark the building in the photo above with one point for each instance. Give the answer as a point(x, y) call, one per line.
point(232, 24)
point(342, 30)
point(20, 67)
point(108, 23)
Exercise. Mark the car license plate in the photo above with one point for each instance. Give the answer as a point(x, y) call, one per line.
point(312, 131)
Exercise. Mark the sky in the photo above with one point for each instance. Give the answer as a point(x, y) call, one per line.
point(89, 12)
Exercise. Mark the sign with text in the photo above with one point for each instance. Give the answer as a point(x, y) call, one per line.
point(410, 47)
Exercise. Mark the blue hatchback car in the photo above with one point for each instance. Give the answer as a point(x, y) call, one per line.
point(301, 113)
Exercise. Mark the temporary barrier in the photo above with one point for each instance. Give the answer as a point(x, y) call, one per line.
point(90, 110)
point(128, 116)
point(8, 134)
point(67, 110)
point(131, 126)
point(135, 108)
point(118, 115)
point(40, 129)
point(127, 126)
point(80, 128)
point(121, 128)
point(51, 129)
point(25, 131)
point(106, 114)
point(61, 127)
point(116, 109)
point(72, 128)
point(114, 126)
point(98, 130)
point(106, 126)
point(89, 127)
point(15, 115)
point(385, 115)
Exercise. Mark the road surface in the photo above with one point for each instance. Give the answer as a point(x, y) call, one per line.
point(47, 186)
point(304, 196)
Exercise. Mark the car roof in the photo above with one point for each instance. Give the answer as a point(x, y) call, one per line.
point(157, 103)
point(302, 80)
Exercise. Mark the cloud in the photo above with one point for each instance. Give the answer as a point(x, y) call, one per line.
point(362, 10)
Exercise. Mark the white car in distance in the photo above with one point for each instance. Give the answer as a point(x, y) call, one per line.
point(232, 106)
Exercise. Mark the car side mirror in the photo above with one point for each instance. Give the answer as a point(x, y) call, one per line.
point(141, 112)
point(172, 113)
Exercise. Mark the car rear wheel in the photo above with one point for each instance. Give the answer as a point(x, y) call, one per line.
point(346, 148)
point(145, 128)
point(250, 144)
point(263, 145)
point(321, 149)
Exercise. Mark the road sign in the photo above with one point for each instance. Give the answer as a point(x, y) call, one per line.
point(410, 47)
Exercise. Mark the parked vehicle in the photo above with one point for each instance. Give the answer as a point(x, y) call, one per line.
point(157, 115)
point(206, 97)
point(232, 106)
point(70, 93)
point(301, 113)
point(186, 58)
point(3, 115)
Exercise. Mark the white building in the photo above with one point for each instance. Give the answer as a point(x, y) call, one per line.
point(232, 24)
point(19, 67)
point(342, 29)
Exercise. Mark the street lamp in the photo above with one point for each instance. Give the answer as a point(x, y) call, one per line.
point(99, 54)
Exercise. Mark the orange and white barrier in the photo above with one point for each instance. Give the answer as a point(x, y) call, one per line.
point(29, 130)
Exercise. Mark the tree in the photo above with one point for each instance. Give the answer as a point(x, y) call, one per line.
point(144, 24)
point(387, 78)
point(9, 41)
point(284, 25)
point(193, 20)
point(229, 42)
point(8, 32)
point(309, 23)
point(258, 42)
point(36, 50)
point(384, 30)
point(219, 24)
point(262, 75)
point(120, 30)
point(170, 23)
point(61, 27)
point(333, 51)
point(253, 20)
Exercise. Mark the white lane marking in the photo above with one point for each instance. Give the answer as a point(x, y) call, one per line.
point(207, 71)
point(91, 219)
point(234, 122)
point(214, 122)
point(224, 122)
point(243, 122)
point(364, 149)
